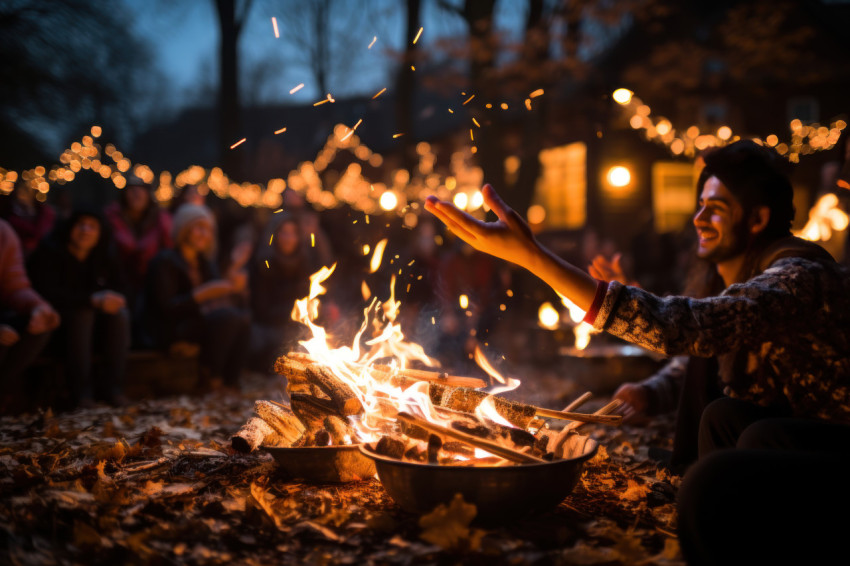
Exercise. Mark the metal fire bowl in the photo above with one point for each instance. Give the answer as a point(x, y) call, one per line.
point(323, 464)
point(498, 493)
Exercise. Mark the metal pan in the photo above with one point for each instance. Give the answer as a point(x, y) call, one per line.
point(324, 463)
point(499, 493)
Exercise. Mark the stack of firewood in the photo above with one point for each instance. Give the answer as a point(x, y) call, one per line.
point(321, 404)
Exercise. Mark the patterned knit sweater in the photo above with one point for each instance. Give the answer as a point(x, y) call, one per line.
point(783, 336)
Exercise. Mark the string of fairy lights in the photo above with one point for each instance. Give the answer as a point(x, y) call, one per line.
point(805, 139)
point(404, 190)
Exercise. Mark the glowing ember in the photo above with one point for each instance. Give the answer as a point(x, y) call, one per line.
point(468, 99)
point(379, 93)
point(374, 39)
point(463, 300)
point(280, 131)
point(474, 121)
point(415, 39)
point(274, 25)
point(375, 263)
point(237, 144)
point(536, 93)
point(295, 89)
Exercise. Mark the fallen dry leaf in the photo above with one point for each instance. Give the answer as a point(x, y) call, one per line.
point(448, 526)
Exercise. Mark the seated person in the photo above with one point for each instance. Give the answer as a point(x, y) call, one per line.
point(188, 302)
point(31, 219)
point(76, 269)
point(26, 320)
point(140, 229)
point(279, 275)
point(780, 331)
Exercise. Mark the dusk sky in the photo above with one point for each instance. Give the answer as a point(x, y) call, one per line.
point(185, 40)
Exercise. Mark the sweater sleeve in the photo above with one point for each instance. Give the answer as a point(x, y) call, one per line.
point(16, 292)
point(663, 387)
point(744, 315)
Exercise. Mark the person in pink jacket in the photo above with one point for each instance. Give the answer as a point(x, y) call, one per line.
point(26, 319)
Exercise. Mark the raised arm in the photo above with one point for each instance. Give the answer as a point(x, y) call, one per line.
point(510, 238)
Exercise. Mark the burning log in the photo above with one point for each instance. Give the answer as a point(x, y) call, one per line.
point(520, 414)
point(434, 445)
point(402, 375)
point(294, 365)
point(342, 396)
point(281, 419)
point(295, 373)
point(312, 411)
point(251, 435)
point(339, 429)
point(391, 446)
point(492, 447)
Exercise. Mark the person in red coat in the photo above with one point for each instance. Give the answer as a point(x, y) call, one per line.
point(140, 230)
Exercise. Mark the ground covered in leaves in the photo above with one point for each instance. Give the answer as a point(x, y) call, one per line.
point(158, 483)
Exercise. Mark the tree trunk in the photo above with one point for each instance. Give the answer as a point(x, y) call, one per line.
point(405, 84)
point(229, 122)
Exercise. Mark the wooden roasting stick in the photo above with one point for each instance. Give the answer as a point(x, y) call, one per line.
point(581, 400)
point(557, 443)
point(491, 447)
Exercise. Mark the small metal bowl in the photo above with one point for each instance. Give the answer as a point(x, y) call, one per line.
point(498, 492)
point(324, 463)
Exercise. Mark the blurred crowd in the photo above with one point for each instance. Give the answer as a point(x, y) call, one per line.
point(206, 278)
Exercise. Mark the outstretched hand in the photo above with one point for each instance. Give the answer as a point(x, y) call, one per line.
point(508, 238)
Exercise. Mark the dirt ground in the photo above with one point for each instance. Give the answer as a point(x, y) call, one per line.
point(157, 483)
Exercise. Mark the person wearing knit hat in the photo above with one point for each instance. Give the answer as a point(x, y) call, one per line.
point(189, 306)
point(183, 221)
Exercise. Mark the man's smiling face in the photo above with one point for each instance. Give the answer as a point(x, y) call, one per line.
point(719, 222)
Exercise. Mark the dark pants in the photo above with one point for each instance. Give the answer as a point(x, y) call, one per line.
point(224, 336)
point(779, 498)
point(82, 329)
point(725, 420)
point(701, 386)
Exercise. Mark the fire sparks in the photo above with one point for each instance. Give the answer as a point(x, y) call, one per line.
point(237, 144)
point(536, 93)
point(397, 135)
point(474, 121)
point(365, 291)
point(295, 89)
point(468, 100)
point(528, 103)
point(463, 300)
point(280, 131)
point(374, 39)
point(419, 33)
point(274, 25)
point(377, 257)
point(379, 93)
